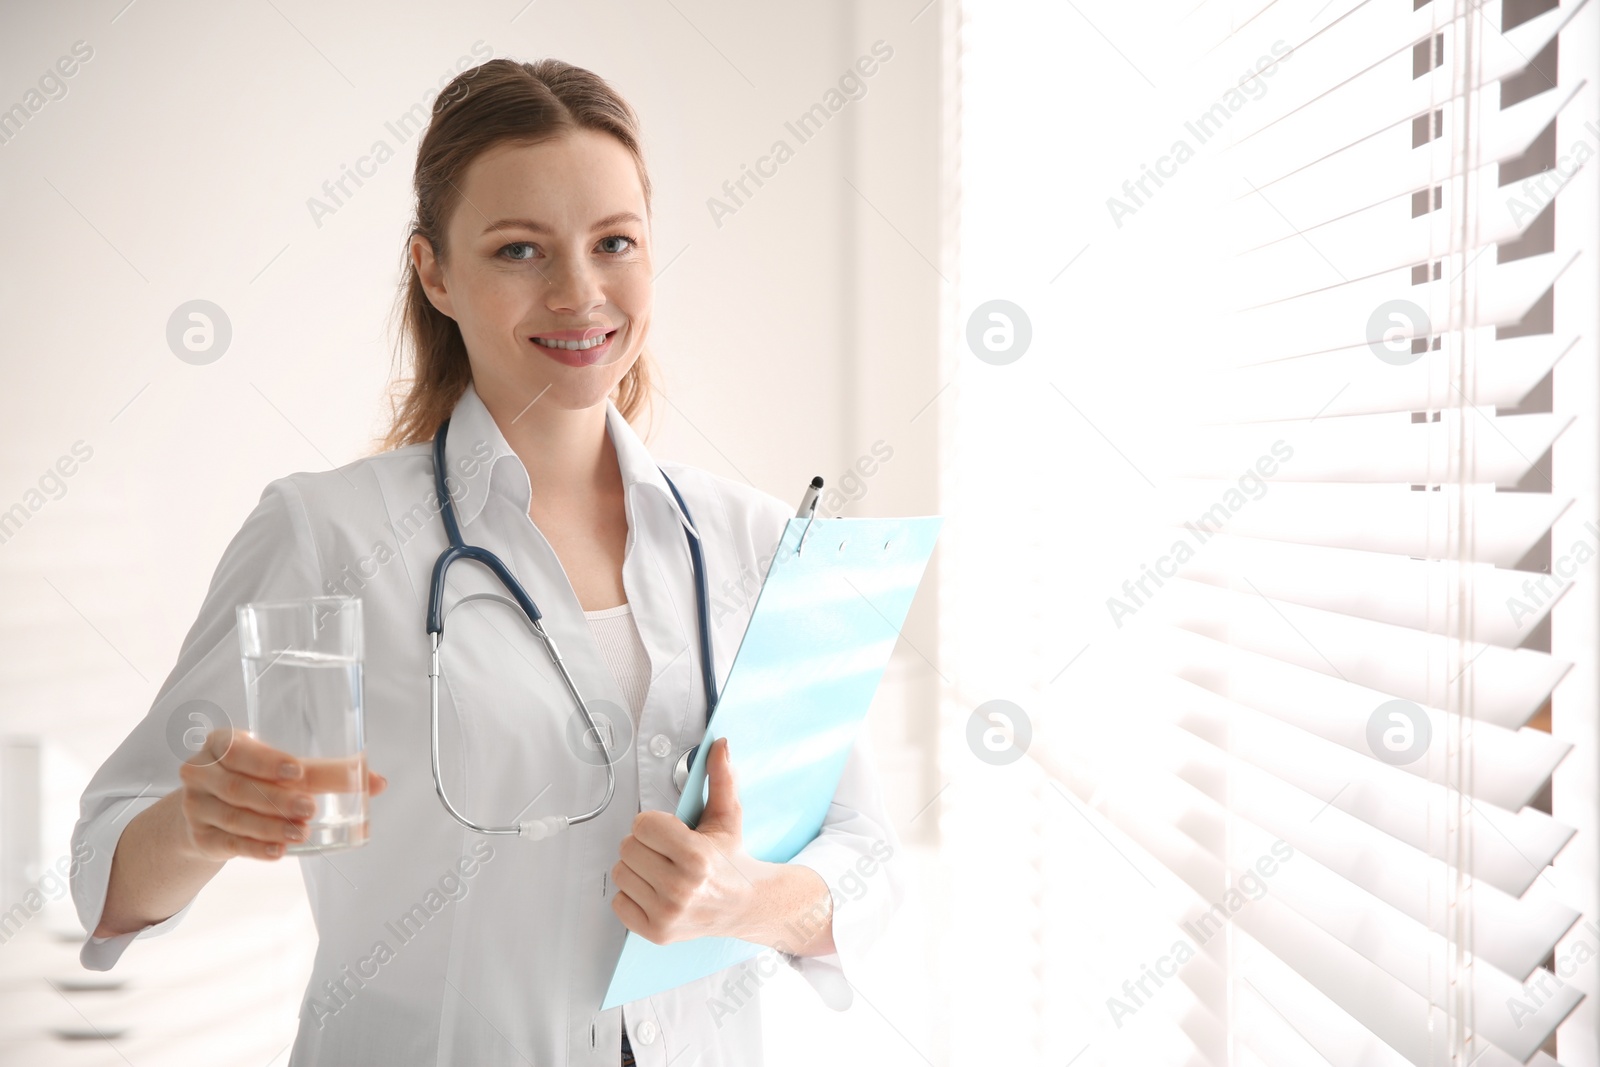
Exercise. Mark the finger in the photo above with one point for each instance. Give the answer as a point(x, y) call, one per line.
point(252, 794)
point(239, 752)
point(376, 783)
point(208, 810)
point(639, 890)
point(724, 788)
point(221, 844)
point(664, 832)
point(651, 865)
point(633, 917)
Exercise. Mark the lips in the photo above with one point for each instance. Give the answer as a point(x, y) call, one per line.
point(586, 334)
point(576, 357)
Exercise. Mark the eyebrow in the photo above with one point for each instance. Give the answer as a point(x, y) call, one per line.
point(539, 227)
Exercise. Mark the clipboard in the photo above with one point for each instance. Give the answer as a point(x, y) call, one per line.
point(824, 626)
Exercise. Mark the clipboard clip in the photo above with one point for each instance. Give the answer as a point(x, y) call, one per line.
point(807, 533)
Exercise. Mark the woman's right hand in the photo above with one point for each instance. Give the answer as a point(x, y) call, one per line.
point(242, 797)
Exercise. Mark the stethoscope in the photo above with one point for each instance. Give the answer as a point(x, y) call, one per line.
point(551, 824)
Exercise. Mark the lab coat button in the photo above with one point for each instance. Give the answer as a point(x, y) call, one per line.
point(647, 1032)
point(660, 746)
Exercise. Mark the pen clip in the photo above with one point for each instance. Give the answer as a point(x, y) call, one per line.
point(806, 532)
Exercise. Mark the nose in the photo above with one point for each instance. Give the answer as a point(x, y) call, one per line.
point(573, 286)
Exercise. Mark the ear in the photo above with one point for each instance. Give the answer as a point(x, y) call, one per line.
point(431, 273)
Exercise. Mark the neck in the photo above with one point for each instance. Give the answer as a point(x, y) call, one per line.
point(567, 452)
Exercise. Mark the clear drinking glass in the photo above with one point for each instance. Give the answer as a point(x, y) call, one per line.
point(302, 681)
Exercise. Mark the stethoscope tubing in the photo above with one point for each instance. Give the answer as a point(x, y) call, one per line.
point(457, 550)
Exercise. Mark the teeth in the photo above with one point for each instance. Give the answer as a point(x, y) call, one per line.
point(575, 346)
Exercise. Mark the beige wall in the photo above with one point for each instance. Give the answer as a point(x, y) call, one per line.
point(178, 165)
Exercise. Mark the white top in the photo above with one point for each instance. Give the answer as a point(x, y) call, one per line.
point(618, 637)
point(437, 945)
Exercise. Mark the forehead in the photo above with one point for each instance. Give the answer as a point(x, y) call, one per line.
point(566, 182)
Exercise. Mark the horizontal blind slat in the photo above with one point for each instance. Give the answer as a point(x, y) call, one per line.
point(1353, 381)
point(1503, 686)
point(1365, 517)
point(1417, 594)
point(1380, 448)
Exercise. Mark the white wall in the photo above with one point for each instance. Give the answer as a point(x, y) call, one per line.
point(178, 166)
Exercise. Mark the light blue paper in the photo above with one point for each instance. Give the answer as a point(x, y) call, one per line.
point(824, 625)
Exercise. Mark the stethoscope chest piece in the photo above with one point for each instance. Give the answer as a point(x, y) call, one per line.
point(680, 773)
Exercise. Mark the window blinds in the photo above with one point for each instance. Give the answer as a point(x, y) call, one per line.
point(1354, 650)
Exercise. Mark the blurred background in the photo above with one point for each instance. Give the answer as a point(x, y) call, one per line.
point(1248, 713)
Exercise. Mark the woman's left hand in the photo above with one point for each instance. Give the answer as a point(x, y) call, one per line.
point(674, 883)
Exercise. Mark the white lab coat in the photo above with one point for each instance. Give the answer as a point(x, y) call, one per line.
point(437, 945)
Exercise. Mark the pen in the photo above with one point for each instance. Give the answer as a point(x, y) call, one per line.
point(808, 503)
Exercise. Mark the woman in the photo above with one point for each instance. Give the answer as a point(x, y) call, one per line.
point(527, 305)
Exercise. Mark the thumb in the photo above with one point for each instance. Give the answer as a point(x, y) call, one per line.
point(723, 813)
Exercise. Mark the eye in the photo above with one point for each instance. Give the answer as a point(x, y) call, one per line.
point(620, 237)
point(518, 244)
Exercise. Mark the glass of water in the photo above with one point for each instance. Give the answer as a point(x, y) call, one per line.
point(302, 681)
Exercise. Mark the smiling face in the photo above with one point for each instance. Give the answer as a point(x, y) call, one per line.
point(547, 270)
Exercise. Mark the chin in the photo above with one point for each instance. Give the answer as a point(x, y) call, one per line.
point(577, 395)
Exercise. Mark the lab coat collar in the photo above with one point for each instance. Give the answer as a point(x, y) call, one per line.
point(475, 449)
